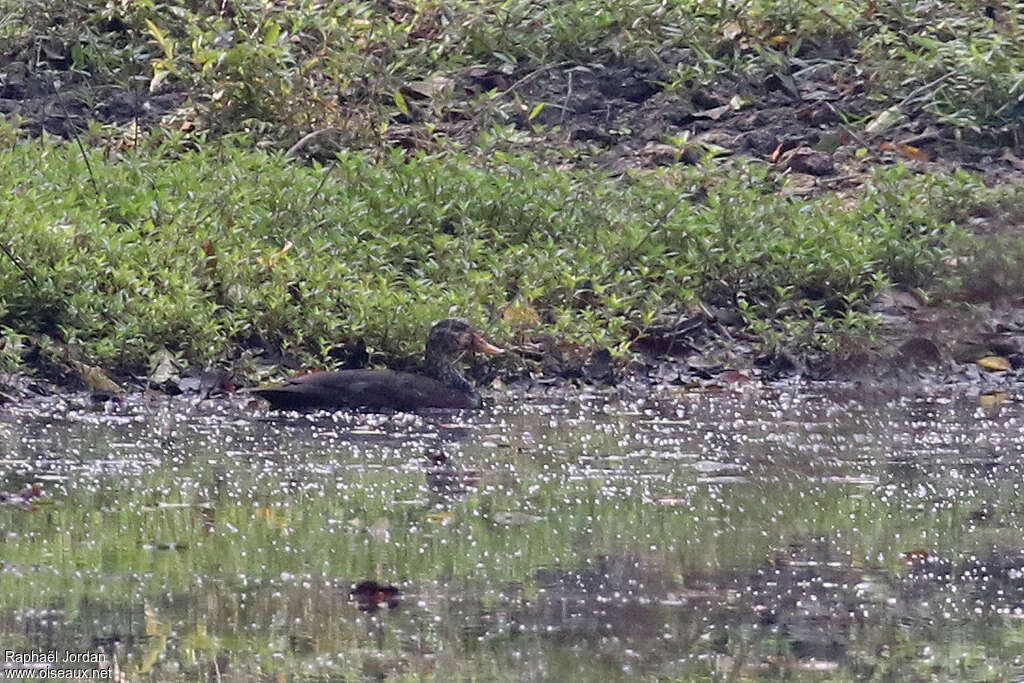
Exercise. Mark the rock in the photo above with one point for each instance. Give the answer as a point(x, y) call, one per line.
point(920, 351)
point(806, 160)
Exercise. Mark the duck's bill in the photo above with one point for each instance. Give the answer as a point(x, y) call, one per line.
point(481, 345)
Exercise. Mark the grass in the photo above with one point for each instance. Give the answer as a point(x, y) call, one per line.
point(225, 252)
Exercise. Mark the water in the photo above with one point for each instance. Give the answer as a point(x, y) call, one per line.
point(680, 536)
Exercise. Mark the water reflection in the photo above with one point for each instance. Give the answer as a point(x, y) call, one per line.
point(761, 535)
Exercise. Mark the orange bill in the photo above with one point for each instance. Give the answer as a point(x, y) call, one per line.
point(483, 346)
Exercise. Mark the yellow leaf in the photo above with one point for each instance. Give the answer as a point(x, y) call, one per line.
point(518, 314)
point(161, 39)
point(994, 363)
point(271, 261)
point(537, 109)
point(908, 151)
point(400, 102)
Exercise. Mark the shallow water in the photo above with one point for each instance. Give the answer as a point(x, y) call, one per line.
point(679, 536)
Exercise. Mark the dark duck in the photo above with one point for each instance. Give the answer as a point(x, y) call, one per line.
point(440, 385)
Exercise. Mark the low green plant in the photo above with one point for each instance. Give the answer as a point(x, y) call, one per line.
point(209, 252)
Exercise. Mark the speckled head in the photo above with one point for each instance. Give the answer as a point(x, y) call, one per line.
point(451, 337)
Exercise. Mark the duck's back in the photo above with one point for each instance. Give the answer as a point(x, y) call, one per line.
point(374, 389)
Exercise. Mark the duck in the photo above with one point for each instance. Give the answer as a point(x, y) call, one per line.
point(439, 385)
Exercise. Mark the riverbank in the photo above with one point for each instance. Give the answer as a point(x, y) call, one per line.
point(759, 195)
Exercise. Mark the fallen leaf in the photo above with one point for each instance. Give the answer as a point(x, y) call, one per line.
point(435, 85)
point(908, 151)
point(714, 113)
point(734, 377)
point(916, 557)
point(732, 30)
point(381, 530)
point(737, 102)
point(994, 363)
point(884, 121)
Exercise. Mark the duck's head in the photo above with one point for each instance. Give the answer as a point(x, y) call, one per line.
point(451, 338)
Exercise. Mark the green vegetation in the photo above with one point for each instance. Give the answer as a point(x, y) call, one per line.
point(439, 193)
point(187, 249)
point(286, 68)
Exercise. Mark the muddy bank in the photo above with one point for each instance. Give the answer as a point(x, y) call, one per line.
point(919, 348)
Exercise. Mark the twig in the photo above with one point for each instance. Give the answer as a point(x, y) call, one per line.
point(14, 259)
point(81, 148)
point(568, 96)
point(307, 138)
point(926, 86)
point(319, 187)
point(529, 77)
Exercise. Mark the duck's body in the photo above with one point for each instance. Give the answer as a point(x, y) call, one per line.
point(373, 389)
point(440, 385)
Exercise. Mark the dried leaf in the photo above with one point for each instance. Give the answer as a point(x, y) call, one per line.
point(732, 30)
point(994, 363)
point(714, 113)
point(884, 121)
point(515, 518)
point(271, 261)
point(917, 557)
point(737, 102)
point(381, 530)
point(441, 518)
point(908, 151)
point(428, 89)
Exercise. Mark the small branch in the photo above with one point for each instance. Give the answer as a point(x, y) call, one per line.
point(927, 86)
point(307, 138)
point(14, 259)
point(319, 187)
point(81, 148)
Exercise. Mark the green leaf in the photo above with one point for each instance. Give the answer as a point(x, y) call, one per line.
point(537, 109)
point(271, 33)
point(161, 39)
point(400, 102)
